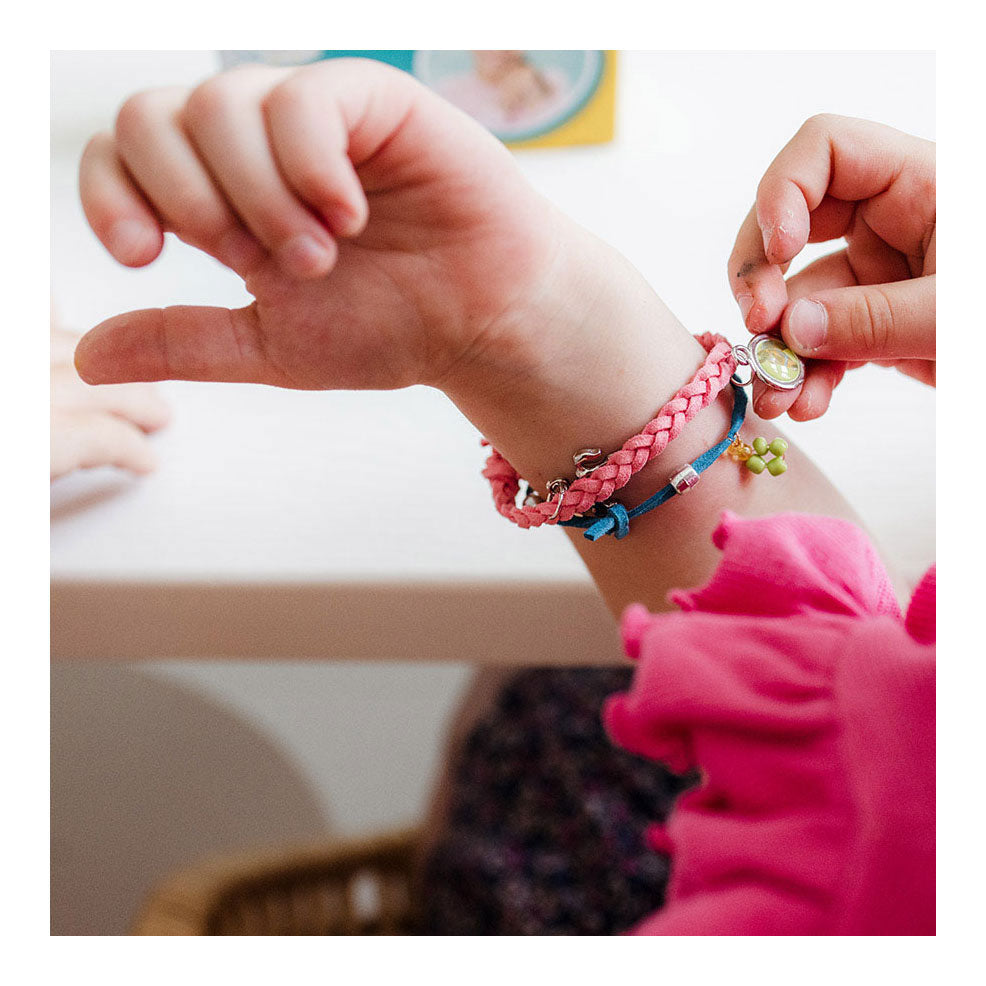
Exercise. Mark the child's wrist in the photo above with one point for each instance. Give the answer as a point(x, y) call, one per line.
point(588, 362)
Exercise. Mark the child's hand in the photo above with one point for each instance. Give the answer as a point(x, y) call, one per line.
point(387, 238)
point(874, 300)
point(390, 240)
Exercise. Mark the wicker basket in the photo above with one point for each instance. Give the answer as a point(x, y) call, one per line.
point(349, 887)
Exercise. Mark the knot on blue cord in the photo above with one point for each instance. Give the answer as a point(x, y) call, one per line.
point(615, 520)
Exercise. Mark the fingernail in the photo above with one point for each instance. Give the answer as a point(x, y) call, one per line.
point(343, 221)
point(768, 234)
point(745, 302)
point(304, 256)
point(807, 324)
point(130, 239)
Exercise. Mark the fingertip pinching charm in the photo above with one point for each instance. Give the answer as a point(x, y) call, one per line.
point(773, 363)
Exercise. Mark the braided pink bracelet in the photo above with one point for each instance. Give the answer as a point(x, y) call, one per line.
point(619, 466)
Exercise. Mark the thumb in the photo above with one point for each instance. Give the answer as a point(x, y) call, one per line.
point(871, 321)
point(180, 343)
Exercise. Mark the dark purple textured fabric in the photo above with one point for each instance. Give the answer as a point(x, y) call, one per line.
point(546, 834)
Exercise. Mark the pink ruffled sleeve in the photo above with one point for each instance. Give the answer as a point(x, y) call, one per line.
point(793, 682)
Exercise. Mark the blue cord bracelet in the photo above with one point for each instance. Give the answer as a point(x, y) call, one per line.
point(614, 518)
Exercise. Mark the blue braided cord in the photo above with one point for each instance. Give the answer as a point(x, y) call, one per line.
point(616, 519)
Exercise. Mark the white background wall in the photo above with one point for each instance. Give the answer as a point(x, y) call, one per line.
point(355, 744)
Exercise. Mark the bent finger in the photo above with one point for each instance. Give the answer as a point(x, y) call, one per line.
point(114, 207)
point(768, 402)
point(225, 120)
point(821, 379)
point(88, 439)
point(310, 138)
point(153, 146)
point(848, 159)
point(757, 285)
point(922, 370)
point(62, 347)
point(140, 404)
point(831, 271)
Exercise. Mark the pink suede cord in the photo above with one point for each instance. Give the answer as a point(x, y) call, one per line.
point(636, 452)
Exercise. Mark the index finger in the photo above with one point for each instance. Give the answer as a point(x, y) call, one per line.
point(810, 193)
point(848, 160)
point(757, 285)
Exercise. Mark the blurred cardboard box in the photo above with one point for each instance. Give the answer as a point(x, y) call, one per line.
point(526, 98)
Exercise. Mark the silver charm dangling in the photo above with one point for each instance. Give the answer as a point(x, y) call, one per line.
point(557, 487)
point(770, 361)
point(588, 460)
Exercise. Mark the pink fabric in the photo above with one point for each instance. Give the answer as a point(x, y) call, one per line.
point(793, 682)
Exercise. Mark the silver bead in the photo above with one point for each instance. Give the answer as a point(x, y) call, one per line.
point(684, 479)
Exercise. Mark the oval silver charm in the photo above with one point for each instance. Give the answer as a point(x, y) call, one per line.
point(771, 361)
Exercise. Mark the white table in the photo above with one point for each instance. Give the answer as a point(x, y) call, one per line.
point(244, 544)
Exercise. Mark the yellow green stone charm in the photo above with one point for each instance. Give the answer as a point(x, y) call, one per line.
point(754, 456)
point(770, 361)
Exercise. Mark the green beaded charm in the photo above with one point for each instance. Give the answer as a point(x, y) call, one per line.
point(754, 456)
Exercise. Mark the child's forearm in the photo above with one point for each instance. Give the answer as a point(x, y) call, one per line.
point(389, 240)
point(598, 355)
